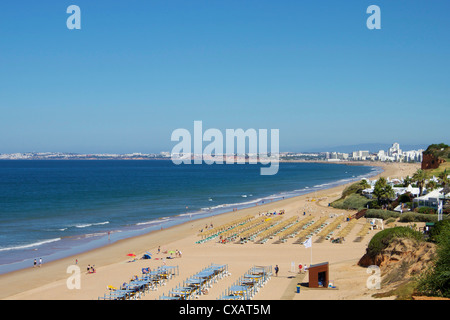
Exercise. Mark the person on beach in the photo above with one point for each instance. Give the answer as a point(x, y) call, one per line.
point(40, 262)
point(276, 270)
point(35, 262)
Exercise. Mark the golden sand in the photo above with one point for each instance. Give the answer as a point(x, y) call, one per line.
point(113, 266)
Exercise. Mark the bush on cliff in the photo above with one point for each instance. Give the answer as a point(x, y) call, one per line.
point(436, 280)
point(381, 214)
point(352, 201)
point(382, 239)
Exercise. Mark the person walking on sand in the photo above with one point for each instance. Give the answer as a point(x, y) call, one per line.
point(276, 270)
point(35, 262)
point(40, 262)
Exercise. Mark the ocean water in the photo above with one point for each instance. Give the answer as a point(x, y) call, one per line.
point(53, 209)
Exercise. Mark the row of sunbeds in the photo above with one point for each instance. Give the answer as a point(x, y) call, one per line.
point(248, 285)
point(139, 286)
point(197, 284)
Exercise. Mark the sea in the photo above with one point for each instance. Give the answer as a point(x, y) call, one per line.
point(51, 209)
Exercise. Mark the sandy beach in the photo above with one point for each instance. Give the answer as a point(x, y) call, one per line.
point(113, 267)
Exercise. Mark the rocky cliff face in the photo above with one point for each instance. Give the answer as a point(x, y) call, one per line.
point(402, 259)
point(430, 161)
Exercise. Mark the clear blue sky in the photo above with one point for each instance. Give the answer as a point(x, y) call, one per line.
point(137, 70)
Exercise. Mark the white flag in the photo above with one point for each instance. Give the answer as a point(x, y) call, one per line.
point(307, 243)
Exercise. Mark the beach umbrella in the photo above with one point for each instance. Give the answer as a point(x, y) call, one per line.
point(147, 255)
point(131, 255)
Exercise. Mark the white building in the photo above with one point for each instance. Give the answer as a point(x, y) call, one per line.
point(394, 150)
point(360, 155)
point(431, 199)
point(395, 154)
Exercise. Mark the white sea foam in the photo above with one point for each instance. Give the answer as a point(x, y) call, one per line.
point(153, 222)
point(90, 235)
point(226, 205)
point(85, 225)
point(56, 229)
point(31, 245)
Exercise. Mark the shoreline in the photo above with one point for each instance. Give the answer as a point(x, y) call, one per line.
point(25, 284)
point(102, 238)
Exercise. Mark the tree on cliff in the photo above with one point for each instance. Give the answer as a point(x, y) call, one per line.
point(440, 150)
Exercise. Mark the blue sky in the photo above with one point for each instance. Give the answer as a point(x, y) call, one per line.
point(137, 70)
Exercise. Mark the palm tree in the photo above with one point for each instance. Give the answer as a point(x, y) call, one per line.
point(445, 182)
point(443, 178)
point(431, 185)
point(383, 191)
point(419, 177)
point(407, 181)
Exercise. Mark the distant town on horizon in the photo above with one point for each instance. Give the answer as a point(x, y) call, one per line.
point(392, 154)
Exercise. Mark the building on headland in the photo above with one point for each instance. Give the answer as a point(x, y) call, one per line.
point(396, 154)
point(393, 154)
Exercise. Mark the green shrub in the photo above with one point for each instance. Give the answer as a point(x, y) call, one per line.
point(381, 214)
point(374, 205)
point(382, 239)
point(351, 202)
point(436, 280)
point(390, 220)
point(356, 187)
point(438, 227)
point(404, 198)
point(426, 210)
point(417, 217)
point(405, 217)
